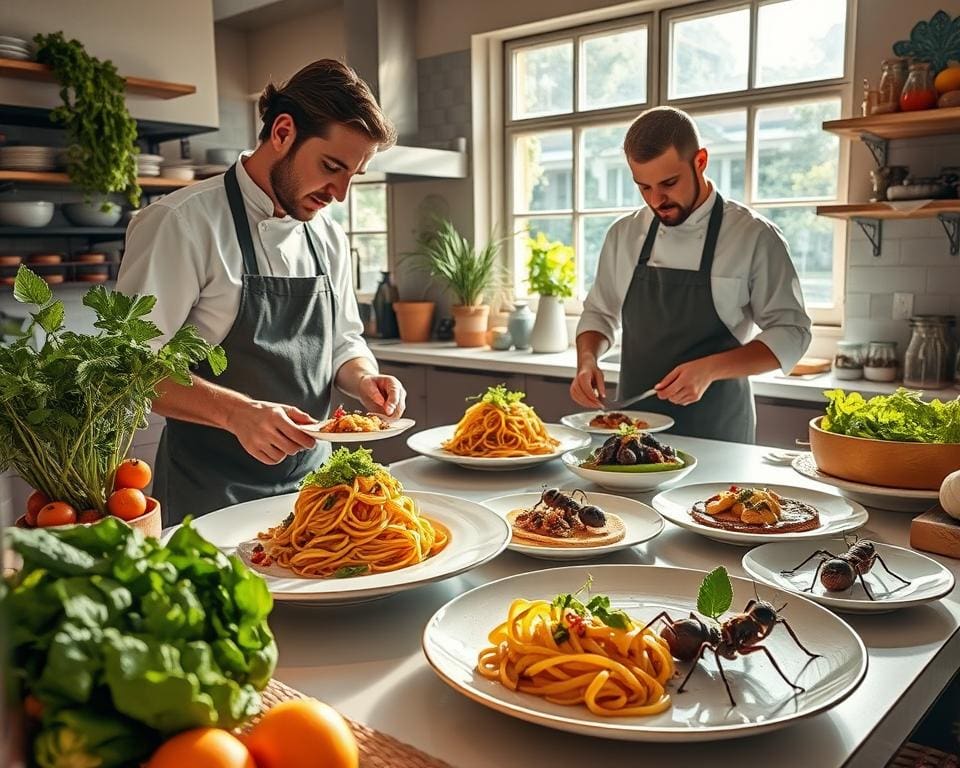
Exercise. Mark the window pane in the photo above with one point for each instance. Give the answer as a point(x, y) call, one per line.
point(369, 207)
point(724, 134)
point(372, 255)
point(593, 230)
point(543, 80)
point(543, 172)
point(554, 227)
point(796, 158)
point(800, 40)
point(606, 179)
point(614, 69)
point(811, 248)
point(338, 212)
point(709, 54)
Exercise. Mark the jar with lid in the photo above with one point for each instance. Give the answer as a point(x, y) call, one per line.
point(927, 360)
point(848, 360)
point(880, 364)
point(918, 92)
point(892, 79)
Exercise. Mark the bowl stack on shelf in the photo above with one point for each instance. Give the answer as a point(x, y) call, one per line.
point(148, 165)
point(12, 47)
point(96, 213)
point(181, 170)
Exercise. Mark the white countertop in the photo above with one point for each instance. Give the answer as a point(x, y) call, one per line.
point(366, 660)
point(563, 365)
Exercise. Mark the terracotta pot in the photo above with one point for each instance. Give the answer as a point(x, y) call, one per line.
point(149, 523)
point(415, 320)
point(892, 464)
point(470, 325)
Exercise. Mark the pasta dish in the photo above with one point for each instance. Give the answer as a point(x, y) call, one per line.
point(351, 518)
point(500, 426)
point(354, 422)
point(571, 653)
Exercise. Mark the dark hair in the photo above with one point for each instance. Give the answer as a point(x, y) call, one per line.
point(658, 129)
point(324, 92)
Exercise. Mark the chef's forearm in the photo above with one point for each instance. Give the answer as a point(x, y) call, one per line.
point(203, 403)
point(752, 358)
point(590, 345)
point(351, 372)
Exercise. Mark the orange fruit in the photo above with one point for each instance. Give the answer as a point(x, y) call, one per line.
point(56, 513)
point(303, 733)
point(132, 473)
point(127, 503)
point(35, 502)
point(89, 516)
point(202, 748)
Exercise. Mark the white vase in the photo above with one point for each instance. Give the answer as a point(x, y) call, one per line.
point(550, 328)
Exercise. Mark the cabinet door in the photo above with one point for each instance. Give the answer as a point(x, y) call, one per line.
point(550, 397)
point(781, 423)
point(449, 388)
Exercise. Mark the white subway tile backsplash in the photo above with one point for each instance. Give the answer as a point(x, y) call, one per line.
point(887, 279)
point(926, 251)
point(881, 306)
point(943, 279)
point(933, 303)
point(904, 229)
point(857, 305)
point(860, 254)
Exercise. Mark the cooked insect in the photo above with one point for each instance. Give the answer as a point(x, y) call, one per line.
point(838, 572)
point(559, 514)
point(588, 513)
point(632, 448)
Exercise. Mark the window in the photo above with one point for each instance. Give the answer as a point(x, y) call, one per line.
point(758, 76)
point(363, 216)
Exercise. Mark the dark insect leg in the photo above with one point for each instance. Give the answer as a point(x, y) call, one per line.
point(662, 615)
point(816, 575)
point(583, 496)
point(703, 647)
point(723, 676)
point(797, 639)
point(755, 648)
point(898, 578)
point(865, 587)
point(819, 552)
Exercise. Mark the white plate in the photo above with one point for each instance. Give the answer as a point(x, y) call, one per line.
point(476, 535)
point(928, 579)
point(657, 421)
point(879, 496)
point(641, 521)
point(629, 482)
point(456, 633)
point(397, 427)
point(837, 514)
point(429, 441)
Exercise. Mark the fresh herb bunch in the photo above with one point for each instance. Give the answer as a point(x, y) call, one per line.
point(902, 416)
point(69, 409)
point(466, 271)
point(550, 269)
point(101, 156)
point(499, 396)
point(343, 466)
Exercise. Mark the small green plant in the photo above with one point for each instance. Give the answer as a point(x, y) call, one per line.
point(550, 269)
point(466, 271)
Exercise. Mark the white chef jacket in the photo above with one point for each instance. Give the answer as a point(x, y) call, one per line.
point(183, 249)
point(753, 279)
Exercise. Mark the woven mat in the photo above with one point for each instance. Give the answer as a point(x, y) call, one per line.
point(377, 750)
point(912, 755)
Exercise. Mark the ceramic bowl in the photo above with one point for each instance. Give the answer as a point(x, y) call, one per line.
point(627, 479)
point(21, 213)
point(149, 523)
point(93, 214)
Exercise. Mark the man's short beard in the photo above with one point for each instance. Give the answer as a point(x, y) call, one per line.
point(685, 210)
point(283, 181)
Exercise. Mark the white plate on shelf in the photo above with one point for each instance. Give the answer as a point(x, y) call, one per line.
point(458, 631)
point(656, 422)
point(641, 521)
point(879, 496)
point(838, 515)
point(429, 442)
point(626, 481)
point(397, 427)
point(477, 535)
point(928, 579)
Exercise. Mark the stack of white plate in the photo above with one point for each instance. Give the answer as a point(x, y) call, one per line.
point(28, 158)
point(149, 165)
point(15, 48)
point(182, 170)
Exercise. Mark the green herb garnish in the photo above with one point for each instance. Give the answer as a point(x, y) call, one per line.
point(902, 416)
point(716, 593)
point(598, 607)
point(627, 430)
point(343, 466)
point(346, 571)
point(500, 396)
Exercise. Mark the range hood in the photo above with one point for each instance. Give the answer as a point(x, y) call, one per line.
point(381, 47)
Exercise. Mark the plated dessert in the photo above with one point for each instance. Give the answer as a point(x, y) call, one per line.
point(558, 519)
point(755, 509)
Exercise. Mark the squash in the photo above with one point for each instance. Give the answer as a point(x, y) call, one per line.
point(948, 79)
point(950, 494)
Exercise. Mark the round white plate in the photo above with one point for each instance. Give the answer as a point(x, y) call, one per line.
point(458, 631)
point(397, 427)
point(429, 441)
point(837, 514)
point(477, 535)
point(641, 521)
point(657, 421)
point(928, 579)
point(629, 482)
point(879, 496)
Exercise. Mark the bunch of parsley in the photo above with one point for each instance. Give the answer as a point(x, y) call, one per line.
point(70, 405)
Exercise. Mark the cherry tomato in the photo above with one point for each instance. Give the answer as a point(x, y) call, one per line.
point(132, 473)
point(35, 502)
point(89, 516)
point(127, 503)
point(56, 513)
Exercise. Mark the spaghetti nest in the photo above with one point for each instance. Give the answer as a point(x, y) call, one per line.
point(348, 523)
point(551, 651)
point(500, 426)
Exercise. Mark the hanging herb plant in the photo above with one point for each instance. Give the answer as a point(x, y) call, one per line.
point(101, 156)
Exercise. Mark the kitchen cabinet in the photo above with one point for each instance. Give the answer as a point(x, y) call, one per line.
point(448, 388)
point(781, 423)
point(550, 397)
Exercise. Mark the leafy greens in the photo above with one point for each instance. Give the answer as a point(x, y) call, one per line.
point(902, 416)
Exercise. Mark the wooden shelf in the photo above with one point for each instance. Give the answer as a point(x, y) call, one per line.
point(61, 179)
point(32, 70)
point(884, 211)
point(899, 125)
point(90, 233)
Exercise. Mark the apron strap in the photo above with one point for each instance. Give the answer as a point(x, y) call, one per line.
point(318, 261)
point(713, 232)
point(240, 222)
point(648, 242)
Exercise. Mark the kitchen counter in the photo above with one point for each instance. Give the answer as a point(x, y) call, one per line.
point(366, 660)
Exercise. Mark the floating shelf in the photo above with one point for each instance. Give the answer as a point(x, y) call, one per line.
point(89, 233)
point(32, 70)
point(899, 125)
point(931, 209)
point(61, 179)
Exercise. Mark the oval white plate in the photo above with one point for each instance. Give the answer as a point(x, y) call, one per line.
point(837, 514)
point(629, 482)
point(657, 421)
point(928, 579)
point(455, 634)
point(642, 523)
point(429, 441)
point(477, 535)
point(881, 497)
point(397, 427)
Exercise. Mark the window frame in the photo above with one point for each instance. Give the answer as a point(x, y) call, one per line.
point(350, 231)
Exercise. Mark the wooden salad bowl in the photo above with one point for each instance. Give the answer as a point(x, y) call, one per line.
point(149, 523)
point(888, 463)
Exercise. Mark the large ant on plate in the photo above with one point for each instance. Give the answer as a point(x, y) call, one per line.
point(589, 514)
point(740, 634)
point(838, 572)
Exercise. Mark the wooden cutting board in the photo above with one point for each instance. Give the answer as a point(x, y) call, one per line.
point(808, 365)
point(935, 531)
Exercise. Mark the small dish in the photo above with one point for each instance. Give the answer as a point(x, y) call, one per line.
point(656, 422)
point(644, 477)
point(397, 427)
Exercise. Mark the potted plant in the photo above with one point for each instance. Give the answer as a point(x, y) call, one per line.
point(551, 273)
point(415, 316)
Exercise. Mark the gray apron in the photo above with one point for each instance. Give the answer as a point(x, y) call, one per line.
point(279, 349)
point(669, 318)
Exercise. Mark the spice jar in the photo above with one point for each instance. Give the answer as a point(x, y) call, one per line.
point(892, 79)
point(926, 362)
point(880, 364)
point(848, 360)
point(918, 92)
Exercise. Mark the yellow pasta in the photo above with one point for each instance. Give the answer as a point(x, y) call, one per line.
point(500, 426)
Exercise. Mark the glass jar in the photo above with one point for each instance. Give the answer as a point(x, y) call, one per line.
point(848, 360)
point(892, 79)
point(918, 92)
point(927, 360)
point(880, 364)
point(871, 98)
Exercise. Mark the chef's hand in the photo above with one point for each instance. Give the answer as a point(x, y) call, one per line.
point(686, 383)
point(588, 387)
point(383, 394)
point(269, 431)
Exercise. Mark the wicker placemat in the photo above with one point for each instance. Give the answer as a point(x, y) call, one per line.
point(377, 750)
point(912, 755)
